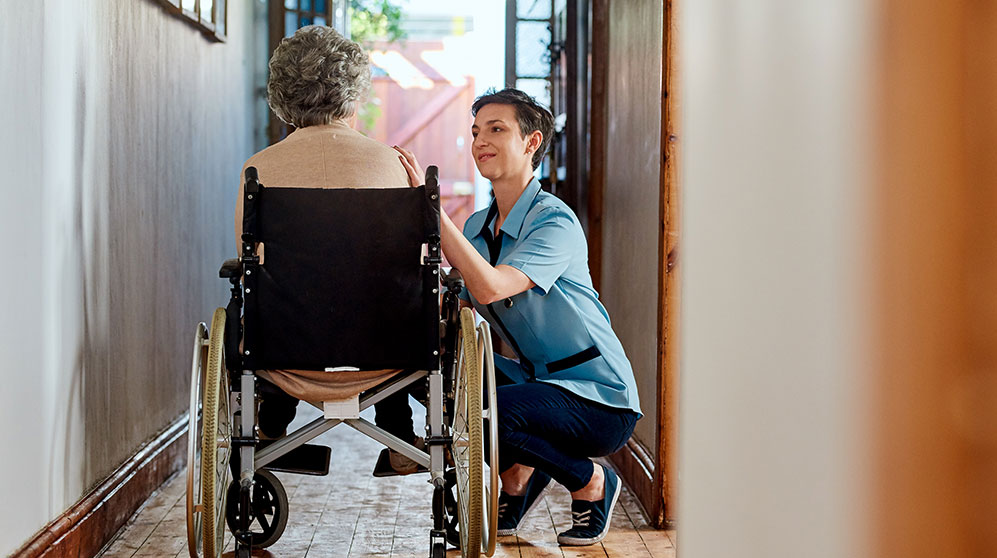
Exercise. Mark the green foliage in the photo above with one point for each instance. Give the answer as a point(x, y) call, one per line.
point(372, 20)
point(368, 114)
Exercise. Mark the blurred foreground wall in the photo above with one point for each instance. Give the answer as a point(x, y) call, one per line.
point(775, 175)
point(840, 311)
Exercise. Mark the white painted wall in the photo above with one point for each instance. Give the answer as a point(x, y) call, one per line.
point(122, 132)
point(775, 182)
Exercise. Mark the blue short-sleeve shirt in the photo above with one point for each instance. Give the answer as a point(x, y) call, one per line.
point(559, 329)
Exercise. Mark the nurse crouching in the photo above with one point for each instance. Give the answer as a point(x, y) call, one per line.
point(571, 396)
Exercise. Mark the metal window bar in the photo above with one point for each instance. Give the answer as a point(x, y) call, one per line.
point(513, 74)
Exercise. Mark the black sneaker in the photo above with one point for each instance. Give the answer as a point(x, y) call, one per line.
point(512, 509)
point(590, 520)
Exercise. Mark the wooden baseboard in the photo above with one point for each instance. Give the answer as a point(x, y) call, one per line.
point(637, 470)
point(84, 529)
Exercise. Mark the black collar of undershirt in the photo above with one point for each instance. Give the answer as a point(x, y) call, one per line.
point(494, 241)
point(492, 212)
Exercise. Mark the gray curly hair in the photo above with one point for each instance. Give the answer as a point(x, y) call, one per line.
point(317, 76)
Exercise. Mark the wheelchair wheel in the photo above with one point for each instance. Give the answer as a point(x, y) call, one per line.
point(268, 509)
point(476, 512)
point(194, 440)
point(211, 446)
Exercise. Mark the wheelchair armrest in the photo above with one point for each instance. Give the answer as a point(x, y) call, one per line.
point(231, 268)
point(452, 280)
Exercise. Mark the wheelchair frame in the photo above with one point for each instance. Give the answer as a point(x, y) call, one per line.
point(462, 363)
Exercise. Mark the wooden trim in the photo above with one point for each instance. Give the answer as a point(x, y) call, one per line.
point(636, 468)
point(665, 479)
point(85, 528)
point(598, 136)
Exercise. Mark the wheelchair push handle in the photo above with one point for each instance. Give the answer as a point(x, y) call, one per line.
point(432, 176)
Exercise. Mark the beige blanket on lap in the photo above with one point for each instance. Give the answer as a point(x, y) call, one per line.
point(327, 156)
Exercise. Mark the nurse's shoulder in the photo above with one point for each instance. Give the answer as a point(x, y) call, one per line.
point(548, 209)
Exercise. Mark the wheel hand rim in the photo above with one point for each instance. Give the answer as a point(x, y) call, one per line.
point(198, 369)
point(491, 481)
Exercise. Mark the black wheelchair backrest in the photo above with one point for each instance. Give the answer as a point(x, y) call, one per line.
point(346, 278)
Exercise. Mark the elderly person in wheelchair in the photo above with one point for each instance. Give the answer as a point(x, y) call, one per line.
point(317, 80)
point(337, 299)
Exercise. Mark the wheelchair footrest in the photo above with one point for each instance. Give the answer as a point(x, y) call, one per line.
point(383, 467)
point(306, 459)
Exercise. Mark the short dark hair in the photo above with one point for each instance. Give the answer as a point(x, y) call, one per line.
point(531, 116)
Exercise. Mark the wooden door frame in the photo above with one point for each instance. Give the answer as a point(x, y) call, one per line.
point(651, 478)
point(669, 283)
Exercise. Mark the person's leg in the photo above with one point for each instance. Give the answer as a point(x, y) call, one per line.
point(276, 410)
point(515, 478)
point(557, 433)
point(394, 414)
point(545, 427)
point(545, 431)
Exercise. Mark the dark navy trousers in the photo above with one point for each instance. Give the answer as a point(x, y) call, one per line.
point(553, 430)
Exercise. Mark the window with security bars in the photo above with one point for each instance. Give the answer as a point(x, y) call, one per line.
point(209, 16)
point(302, 13)
point(546, 57)
point(528, 42)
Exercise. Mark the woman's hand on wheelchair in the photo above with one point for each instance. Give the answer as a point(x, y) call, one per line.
point(416, 176)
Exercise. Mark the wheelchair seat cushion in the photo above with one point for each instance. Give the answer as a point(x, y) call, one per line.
point(316, 386)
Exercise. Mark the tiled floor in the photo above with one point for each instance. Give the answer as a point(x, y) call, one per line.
point(349, 513)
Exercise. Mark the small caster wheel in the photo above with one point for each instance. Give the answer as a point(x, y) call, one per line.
point(268, 515)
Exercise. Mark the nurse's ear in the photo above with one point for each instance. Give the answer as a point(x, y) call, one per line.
point(533, 141)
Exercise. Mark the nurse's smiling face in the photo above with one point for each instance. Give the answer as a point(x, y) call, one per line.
point(499, 148)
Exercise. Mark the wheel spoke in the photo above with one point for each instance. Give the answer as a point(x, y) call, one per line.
point(264, 524)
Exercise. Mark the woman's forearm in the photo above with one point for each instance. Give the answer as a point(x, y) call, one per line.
point(488, 284)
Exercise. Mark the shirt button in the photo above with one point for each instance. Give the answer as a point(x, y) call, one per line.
point(508, 303)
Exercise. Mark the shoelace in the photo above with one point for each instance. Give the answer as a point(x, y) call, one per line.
point(581, 519)
point(502, 507)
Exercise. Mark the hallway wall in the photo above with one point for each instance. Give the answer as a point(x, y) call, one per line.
point(629, 284)
point(121, 138)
